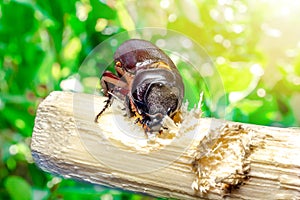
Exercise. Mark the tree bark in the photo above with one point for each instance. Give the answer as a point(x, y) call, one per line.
point(196, 158)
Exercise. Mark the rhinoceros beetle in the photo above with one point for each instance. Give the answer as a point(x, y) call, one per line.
point(147, 81)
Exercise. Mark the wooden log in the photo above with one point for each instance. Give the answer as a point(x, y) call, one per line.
point(197, 158)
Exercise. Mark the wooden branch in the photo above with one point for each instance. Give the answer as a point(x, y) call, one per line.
point(200, 157)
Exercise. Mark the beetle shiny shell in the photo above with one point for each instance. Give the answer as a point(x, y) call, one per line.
point(147, 81)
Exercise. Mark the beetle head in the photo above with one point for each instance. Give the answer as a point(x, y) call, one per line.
point(161, 100)
point(156, 93)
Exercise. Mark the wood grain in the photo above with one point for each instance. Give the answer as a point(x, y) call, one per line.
point(201, 158)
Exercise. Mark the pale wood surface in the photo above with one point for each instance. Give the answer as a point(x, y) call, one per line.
point(263, 161)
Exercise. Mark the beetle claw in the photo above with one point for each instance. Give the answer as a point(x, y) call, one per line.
point(137, 120)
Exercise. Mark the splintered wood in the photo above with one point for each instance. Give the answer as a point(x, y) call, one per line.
point(198, 158)
point(221, 160)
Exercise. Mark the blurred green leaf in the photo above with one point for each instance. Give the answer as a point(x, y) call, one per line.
point(24, 123)
point(12, 22)
point(38, 177)
point(230, 73)
point(101, 10)
point(11, 163)
point(18, 188)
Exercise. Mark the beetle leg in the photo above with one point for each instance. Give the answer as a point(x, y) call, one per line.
point(128, 107)
point(107, 102)
point(147, 130)
point(138, 120)
point(111, 83)
point(122, 73)
point(165, 128)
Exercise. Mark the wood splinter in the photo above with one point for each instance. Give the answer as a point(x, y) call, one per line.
point(199, 158)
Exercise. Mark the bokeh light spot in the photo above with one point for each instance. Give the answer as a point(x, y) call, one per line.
point(257, 70)
point(186, 43)
point(214, 14)
point(172, 17)
point(206, 70)
point(55, 71)
point(296, 80)
point(82, 11)
point(54, 181)
point(65, 72)
point(226, 44)
point(71, 84)
point(13, 149)
point(72, 48)
point(237, 28)
point(101, 24)
point(261, 92)
point(235, 96)
point(228, 14)
point(20, 123)
point(164, 4)
point(291, 53)
point(160, 43)
point(218, 38)
point(220, 60)
point(114, 42)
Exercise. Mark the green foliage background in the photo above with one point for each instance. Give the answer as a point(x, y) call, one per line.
point(43, 42)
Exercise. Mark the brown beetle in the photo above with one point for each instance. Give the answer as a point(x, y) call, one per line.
point(147, 81)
